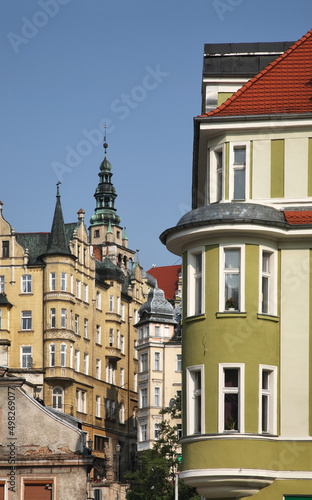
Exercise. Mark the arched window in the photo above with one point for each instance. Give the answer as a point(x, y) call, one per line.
point(57, 398)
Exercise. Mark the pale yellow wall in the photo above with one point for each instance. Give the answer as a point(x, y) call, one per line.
point(296, 167)
point(294, 342)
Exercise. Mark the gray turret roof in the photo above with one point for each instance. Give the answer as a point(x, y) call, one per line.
point(156, 309)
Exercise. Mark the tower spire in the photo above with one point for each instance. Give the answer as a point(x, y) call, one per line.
point(57, 239)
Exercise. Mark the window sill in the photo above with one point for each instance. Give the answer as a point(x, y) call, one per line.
point(231, 314)
point(26, 331)
point(268, 317)
point(198, 317)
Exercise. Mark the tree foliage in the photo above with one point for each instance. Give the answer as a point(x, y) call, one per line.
point(155, 476)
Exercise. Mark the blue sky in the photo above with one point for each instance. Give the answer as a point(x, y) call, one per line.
point(69, 66)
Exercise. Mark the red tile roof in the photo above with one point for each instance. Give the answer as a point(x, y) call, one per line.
point(284, 86)
point(167, 279)
point(298, 216)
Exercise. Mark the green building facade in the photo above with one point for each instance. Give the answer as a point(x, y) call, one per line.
point(247, 276)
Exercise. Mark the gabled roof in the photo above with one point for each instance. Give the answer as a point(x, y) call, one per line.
point(167, 279)
point(284, 86)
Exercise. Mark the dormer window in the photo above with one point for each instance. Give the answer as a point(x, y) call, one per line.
point(216, 175)
point(239, 163)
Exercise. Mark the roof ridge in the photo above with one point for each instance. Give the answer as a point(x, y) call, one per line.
point(261, 74)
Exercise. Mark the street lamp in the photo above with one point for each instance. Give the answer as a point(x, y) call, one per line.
point(89, 443)
point(117, 458)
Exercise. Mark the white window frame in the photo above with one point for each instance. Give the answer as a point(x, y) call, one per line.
point(135, 382)
point(77, 360)
point(52, 317)
point(98, 368)
point(63, 318)
point(122, 413)
point(52, 282)
point(157, 358)
point(63, 282)
point(122, 377)
point(143, 432)
point(111, 303)
point(26, 283)
point(78, 289)
point(191, 395)
point(156, 430)
point(86, 363)
point(272, 279)
point(111, 337)
point(223, 272)
point(227, 390)
point(179, 362)
point(52, 355)
point(98, 300)
point(2, 284)
point(123, 310)
point(26, 320)
point(26, 357)
point(157, 396)
point(98, 334)
point(271, 394)
point(77, 324)
point(63, 350)
point(144, 362)
point(98, 406)
point(85, 292)
point(86, 328)
point(143, 397)
point(58, 398)
point(122, 344)
point(192, 279)
point(81, 401)
point(212, 187)
point(233, 167)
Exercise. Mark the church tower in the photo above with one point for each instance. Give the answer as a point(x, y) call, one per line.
point(105, 231)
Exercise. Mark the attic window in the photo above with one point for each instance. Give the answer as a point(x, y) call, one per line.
point(97, 233)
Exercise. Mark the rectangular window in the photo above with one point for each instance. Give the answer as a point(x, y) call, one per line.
point(99, 442)
point(52, 282)
point(123, 312)
point(77, 360)
point(144, 362)
point(216, 175)
point(195, 400)
point(156, 431)
point(157, 331)
point(143, 398)
point(107, 409)
point(118, 305)
point(98, 300)
point(267, 399)
point(85, 293)
point(81, 401)
point(76, 324)
point(157, 361)
point(135, 382)
point(179, 362)
point(232, 275)
point(72, 284)
point(231, 397)
point(26, 283)
point(63, 355)
point(63, 282)
point(86, 363)
point(2, 284)
point(156, 396)
point(98, 334)
point(26, 320)
point(86, 328)
point(5, 249)
point(111, 303)
point(26, 356)
point(268, 280)
point(195, 303)
point(52, 355)
point(0, 319)
point(143, 432)
point(239, 171)
point(111, 373)
point(63, 318)
point(113, 410)
point(98, 369)
point(52, 317)
point(118, 339)
point(98, 406)
point(78, 289)
point(111, 337)
point(122, 377)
